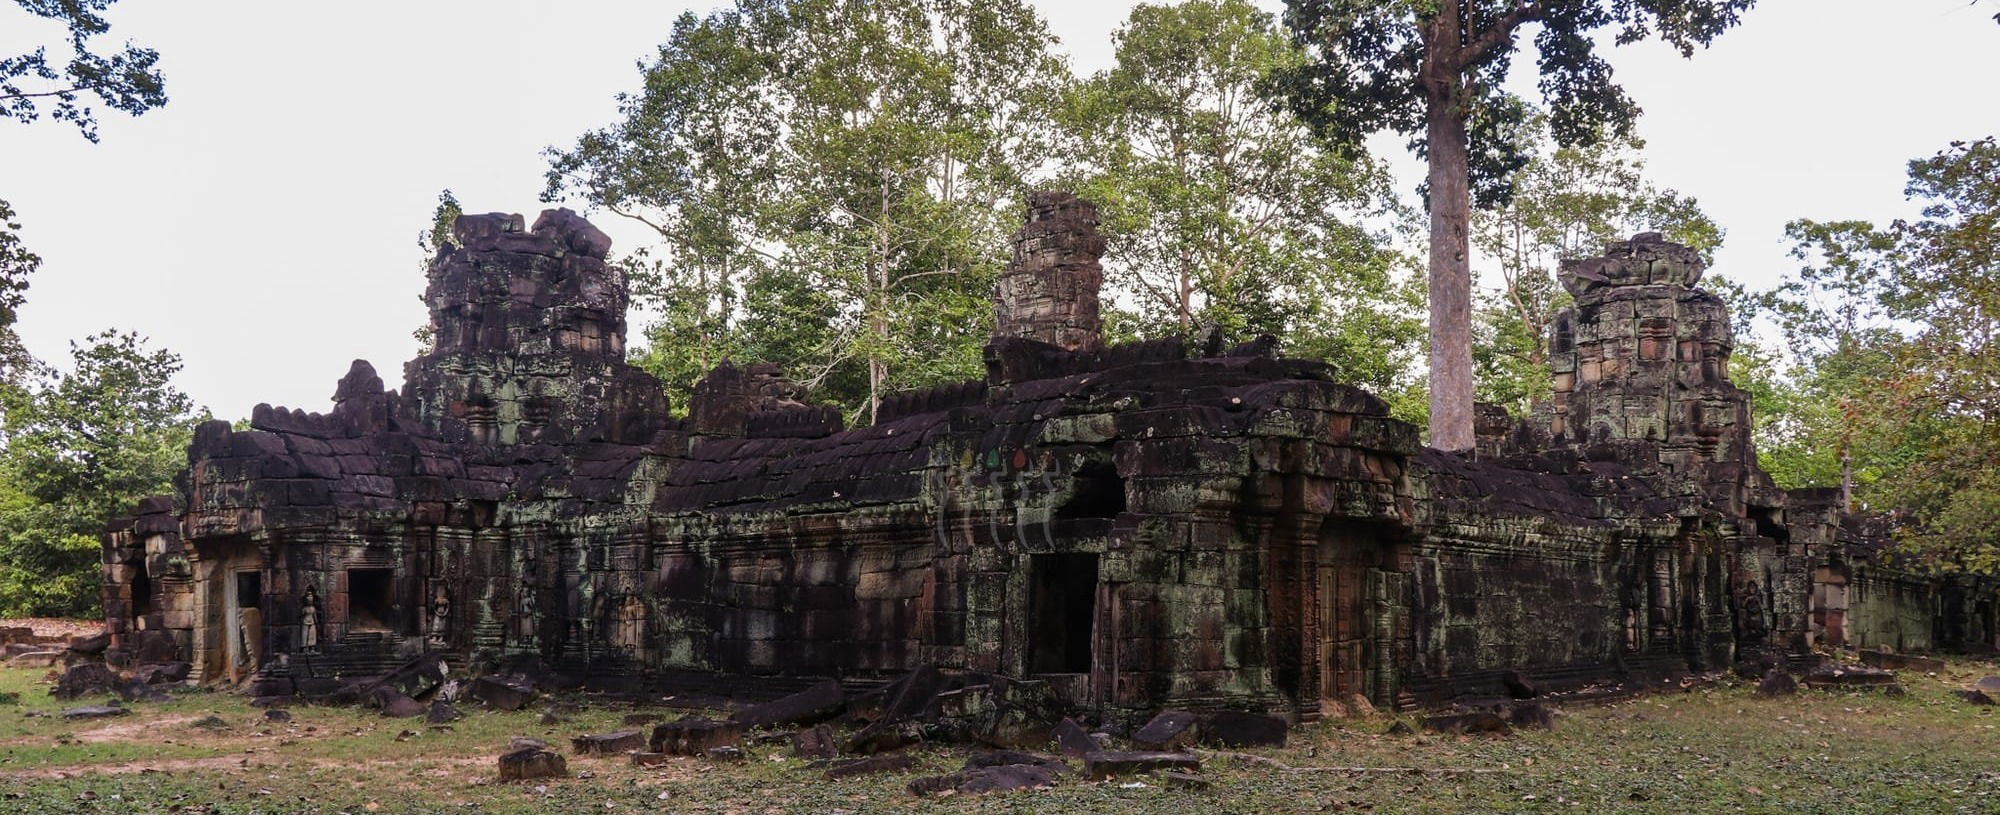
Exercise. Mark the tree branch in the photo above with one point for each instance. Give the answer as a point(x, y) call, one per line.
point(1499, 32)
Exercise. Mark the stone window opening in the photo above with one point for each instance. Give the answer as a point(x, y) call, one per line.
point(249, 589)
point(370, 600)
point(1062, 608)
point(142, 594)
point(1099, 493)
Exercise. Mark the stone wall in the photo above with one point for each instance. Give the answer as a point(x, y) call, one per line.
point(1142, 525)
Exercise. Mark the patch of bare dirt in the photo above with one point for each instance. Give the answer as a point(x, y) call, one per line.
point(55, 627)
point(131, 731)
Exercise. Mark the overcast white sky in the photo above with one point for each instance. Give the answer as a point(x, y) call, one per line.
point(262, 224)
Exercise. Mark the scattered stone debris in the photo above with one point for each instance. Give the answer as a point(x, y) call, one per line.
point(1073, 740)
point(1974, 696)
point(727, 754)
point(501, 693)
point(1167, 730)
point(813, 705)
point(977, 780)
point(1184, 781)
point(817, 741)
point(442, 712)
point(1469, 723)
point(277, 716)
point(1235, 728)
point(85, 679)
point(1854, 678)
point(1107, 764)
point(1889, 660)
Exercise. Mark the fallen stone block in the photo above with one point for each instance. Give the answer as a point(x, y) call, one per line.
point(693, 736)
point(1235, 728)
point(277, 716)
point(530, 763)
point(85, 679)
point(1854, 679)
point(1106, 764)
point(91, 645)
point(1184, 781)
point(442, 712)
point(94, 712)
point(395, 705)
point(1169, 730)
point(608, 743)
point(644, 759)
point(1532, 716)
point(872, 765)
point(1975, 696)
point(1072, 740)
point(503, 694)
point(813, 705)
point(1990, 684)
point(162, 673)
point(726, 754)
point(817, 741)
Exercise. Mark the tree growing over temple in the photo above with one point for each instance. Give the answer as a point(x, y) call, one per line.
point(1434, 70)
point(832, 183)
point(1221, 207)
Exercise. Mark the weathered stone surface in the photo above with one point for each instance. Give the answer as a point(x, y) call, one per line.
point(1000, 778)
point(813, 705)
point(818, 741)
point(607, 743)
point(394, 704)
point(530, 763)
point(503, 694)
point(694, 735)
point(1168, 730)
point(1854, 678)
point(1778, 682)
point(442, 712)
point(1235, 728)
point(85, 679)
point(727, 754)
point(1106, 764)
point(1974, 696)
point(1184, 781)
point(1901, 662)
point(1073, 740)
point(162, 673)
point(278, 716)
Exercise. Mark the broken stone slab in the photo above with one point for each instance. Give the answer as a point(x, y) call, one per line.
point(817, 741)
point(988, 779)
point(1184, 781)
point(608, 743)
point(162, 673)
point(1168, 730)
point(879, 738)
point(394, 704)
point(94, 712)
point(1974, 696)
point(502, 693)
point(1072, 740)
point(1520, 686)
point(1854, 678)
point(872, 765)
point(525, 743)
point(85, 679)
point(813, 705)
point(530, 763)
point(1532, 716)
point(1990, 684)
point(277, 716)
point(1899, 662)
point(1235, 728)
point(1107, 764)
point(417, 677)
point(1002, 758)
point(693, 736)
point(442, 712)
point(726, 754)
point(645, 759)
point(91, 645)
point(137, 691)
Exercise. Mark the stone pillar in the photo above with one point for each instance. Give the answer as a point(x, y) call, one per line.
point(1049, 292)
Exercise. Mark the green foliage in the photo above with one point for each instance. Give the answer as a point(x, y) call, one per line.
point(832, 183)
point(1221, 208)
point(1568, 202)
point(1370, 59)
point(81, 448)
point(124, 80)
point(431, 242)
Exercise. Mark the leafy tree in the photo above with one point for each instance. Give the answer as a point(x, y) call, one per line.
point(832, 182)
point(1219, 206)
point(432, 241)
point(1568, 202)
point(1433, 70)
point(81, 448)
point(17, 264)
point(124, 80)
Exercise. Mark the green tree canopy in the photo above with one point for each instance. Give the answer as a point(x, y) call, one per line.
point(831, 181)
point(32, 85)
point(1220, 207)
point(1434, 71)
point(81, 448)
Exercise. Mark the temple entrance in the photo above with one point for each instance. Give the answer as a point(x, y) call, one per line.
point(1829, 606)
point(1358, 594)
point(370, 600)
point(244, 640)
point(1062, 608)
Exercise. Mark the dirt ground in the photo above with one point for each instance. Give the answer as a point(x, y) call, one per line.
point(53, 627)
point(1718, 749)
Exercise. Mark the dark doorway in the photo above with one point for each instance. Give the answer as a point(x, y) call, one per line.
point(249, 589)
point(1062, 605)
point(370, 600)
point(142, 594)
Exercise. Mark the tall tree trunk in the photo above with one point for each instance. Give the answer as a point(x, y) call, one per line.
point(1450, 269)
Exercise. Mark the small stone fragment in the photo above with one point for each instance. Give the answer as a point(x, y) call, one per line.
point(530, 763)
point(1184, 781)
point(608, 743)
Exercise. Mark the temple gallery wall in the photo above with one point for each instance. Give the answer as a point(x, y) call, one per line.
point(1184, 522)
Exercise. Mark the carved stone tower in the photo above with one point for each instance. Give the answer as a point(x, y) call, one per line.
point(1049, 292)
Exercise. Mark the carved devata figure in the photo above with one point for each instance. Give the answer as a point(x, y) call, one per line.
point(440, 617)
point(309, 622)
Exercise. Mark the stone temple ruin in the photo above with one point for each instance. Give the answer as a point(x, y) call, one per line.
point(1169, 523)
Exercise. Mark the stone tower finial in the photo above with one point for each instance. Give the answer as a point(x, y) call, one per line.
point(1049, 292)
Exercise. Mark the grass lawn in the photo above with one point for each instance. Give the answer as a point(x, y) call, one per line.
point(1714, 750)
